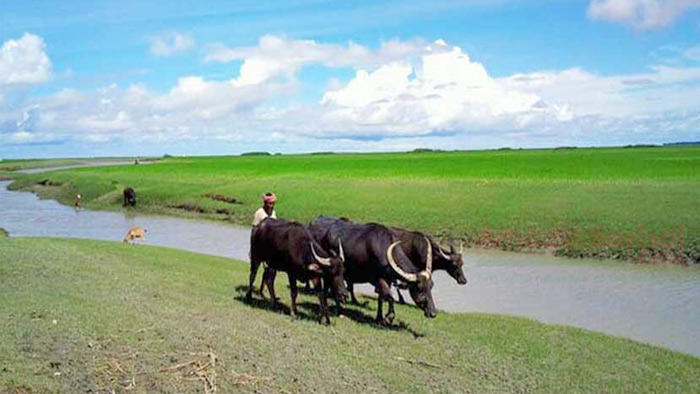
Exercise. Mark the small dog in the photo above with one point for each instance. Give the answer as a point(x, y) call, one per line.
point(136, 232)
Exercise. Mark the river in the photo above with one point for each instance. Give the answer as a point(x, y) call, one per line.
point(653, 304)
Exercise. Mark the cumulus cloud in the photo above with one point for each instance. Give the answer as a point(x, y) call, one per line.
point(641, 14)
point(24, 61)
point(171, 43)
point(445, 91)
point(276, 56)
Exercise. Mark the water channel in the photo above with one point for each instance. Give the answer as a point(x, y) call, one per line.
point(653, 304)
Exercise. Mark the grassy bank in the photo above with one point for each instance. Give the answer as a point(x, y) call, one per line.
point(8, 168)
point(630, 203)
point(82, 315)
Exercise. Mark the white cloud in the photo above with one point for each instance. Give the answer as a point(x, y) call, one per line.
point(411, 94)
point(276, 56)
point(24, 61)
point(446, 91)
point(171, 43)
point(642, 14)
point(662, 89)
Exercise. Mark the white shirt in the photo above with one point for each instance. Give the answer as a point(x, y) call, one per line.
point(261, 215)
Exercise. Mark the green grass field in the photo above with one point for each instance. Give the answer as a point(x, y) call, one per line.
point(633, 203)
point(92, 316)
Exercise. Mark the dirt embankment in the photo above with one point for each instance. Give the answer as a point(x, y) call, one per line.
point(660, 248)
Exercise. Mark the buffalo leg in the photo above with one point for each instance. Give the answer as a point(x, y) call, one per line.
point(263, 283)
point(251, 279)
point(384, 291)
point(322, 299)
point(352, 293)
point(293, 292)
point(270, 283)
point(401, 300)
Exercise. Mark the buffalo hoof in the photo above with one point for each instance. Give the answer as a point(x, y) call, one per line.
point(389, 319)
point(248, 297)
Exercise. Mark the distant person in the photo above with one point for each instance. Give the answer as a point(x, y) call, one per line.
point(78, 201)
point(267, 210)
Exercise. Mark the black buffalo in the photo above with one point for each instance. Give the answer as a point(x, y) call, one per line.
point(371, 256)
point(289, 247)
point(414, 245)
point(129, 196)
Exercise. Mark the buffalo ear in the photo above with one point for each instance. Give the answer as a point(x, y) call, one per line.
point(314, 267)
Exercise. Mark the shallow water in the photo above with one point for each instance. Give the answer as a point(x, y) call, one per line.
point(658, 305)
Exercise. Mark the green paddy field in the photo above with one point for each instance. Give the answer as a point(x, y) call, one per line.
point(104, 317)
point(641, 204)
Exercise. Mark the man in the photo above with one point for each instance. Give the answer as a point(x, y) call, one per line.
point(267, 210)
point(264, 212)
point(78, 201)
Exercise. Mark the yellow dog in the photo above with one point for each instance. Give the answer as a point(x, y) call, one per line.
point(136, 232)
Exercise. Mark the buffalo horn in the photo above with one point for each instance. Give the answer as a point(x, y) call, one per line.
point(429, 257)
point(443, 254)
point(392, 263)
point(321, 260)
point(340, 250)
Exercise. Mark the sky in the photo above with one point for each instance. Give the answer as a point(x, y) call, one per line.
point(128, 78)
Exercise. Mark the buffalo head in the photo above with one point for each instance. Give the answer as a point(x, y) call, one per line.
point(420, 284)
point(453, 262)
point(333, 269)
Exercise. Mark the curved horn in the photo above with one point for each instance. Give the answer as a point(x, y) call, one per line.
point(461, 248)
point(392, 263)
point(443, 254)
point(321, 260)
point(429, 256)
point(340, 250)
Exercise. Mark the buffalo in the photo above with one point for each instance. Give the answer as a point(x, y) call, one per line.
point(372, 256)
point(289, 247)
point(129, 196)
point(414, 245)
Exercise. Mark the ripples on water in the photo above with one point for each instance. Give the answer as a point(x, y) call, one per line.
point(648, 303)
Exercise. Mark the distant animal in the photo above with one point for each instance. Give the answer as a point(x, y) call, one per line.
point(129, 196)
point(289, 247)
point(78, 201)
point(136, 232)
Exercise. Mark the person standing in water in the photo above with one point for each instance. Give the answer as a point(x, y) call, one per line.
point(78, 202)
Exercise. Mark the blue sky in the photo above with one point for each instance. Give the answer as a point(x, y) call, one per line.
point(222, 77)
